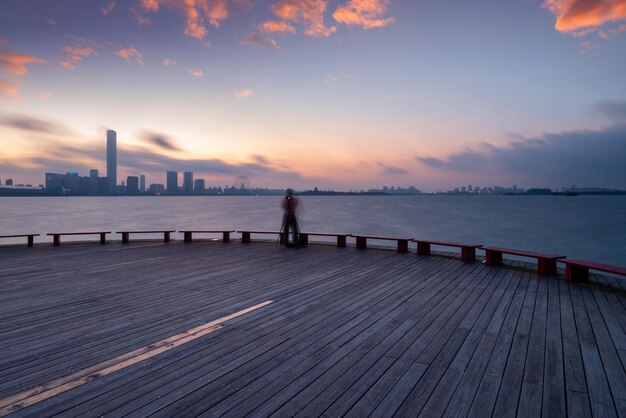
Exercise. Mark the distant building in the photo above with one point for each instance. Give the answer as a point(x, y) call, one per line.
point(93, 181)
point(188, 182)
point(172, 182)
point(72, 182)
point(132, 185)
point(9, 182)
point(156, 188)
point(199, 186)
point(54, 182)
point(112, 160)
point(142, 183)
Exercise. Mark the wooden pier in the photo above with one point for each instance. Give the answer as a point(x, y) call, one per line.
point(226, 329)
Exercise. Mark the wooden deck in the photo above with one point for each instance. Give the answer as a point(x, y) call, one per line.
point(219, 329)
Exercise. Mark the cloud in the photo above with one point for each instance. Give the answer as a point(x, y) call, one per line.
point(593, 158)
point(587, 47)
point(274, 26)
point(392, 170)
point(574, 15)
point(169, 62)
point(196, 73)
point(75, 54)
point(49, 21)
point(243, 93)
point(309, 13)
point(332, 79)
point(614, 111)
point(108, 8)
point(44, 96)
point(254, 39)
point(10, 88)
point(16, 63)
point(27, 123)
point(140, 17)
point(365, 13)
point(161, 141)
point(130, 54)
point(198, 13)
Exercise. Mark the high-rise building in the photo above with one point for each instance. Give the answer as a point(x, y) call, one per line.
point(172, 182)
point(199, 186)
point(9, 182)
point(112, 160)
point(142, 183)
point(188, 182)
point(132, 184)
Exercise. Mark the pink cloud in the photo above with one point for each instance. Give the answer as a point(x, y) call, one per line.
point(75, 54)
point(273, 26)
point(49, 21)
point(44, 96)
point(573, 15)
point(140, 17)
point(130, 54)
point(16, 63)
point(196, 73)
point(169, 62)
point(588, 47)
point(10, 88)
point(199, 14)
point(243, 93)
point(365, 13)
point(309, 13)
point(108, 8)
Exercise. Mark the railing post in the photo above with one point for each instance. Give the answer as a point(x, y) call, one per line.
point(423, 248)
point(166, 236)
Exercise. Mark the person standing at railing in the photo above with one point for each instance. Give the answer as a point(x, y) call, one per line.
point(290, 222)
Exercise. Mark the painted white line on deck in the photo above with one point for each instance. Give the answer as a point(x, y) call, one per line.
point(63, 384)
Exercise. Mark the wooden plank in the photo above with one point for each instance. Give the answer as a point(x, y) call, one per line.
point(554, 400)
point(597, 384)
point(510, 387)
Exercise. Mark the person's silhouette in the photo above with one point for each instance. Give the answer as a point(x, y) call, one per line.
point(290, 206)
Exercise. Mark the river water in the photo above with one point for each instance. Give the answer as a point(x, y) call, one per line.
point(588, 227)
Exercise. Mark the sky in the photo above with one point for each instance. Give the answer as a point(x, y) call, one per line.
point(334, 94)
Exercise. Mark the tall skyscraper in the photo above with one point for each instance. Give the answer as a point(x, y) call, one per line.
point(142, 183)
point(112, 160)
point(172, 181)
point(188, 182)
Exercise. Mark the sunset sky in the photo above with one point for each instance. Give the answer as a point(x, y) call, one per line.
point(342, 94)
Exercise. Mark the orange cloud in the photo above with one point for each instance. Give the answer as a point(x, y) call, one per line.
point(198, 13)
point(16, 63)
point(108, 8)
point(130, 54)
point(573, 15)
point(309, 13)
point(74, 55)
point(273, 26)
point(10, 88)
point(365, 13)
point(243, 93)
point(196, 73)
point(169, 62)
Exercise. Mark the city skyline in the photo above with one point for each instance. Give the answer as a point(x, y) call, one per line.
point(335, 94)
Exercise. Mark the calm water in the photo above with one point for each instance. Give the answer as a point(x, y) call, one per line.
point(590, 227)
